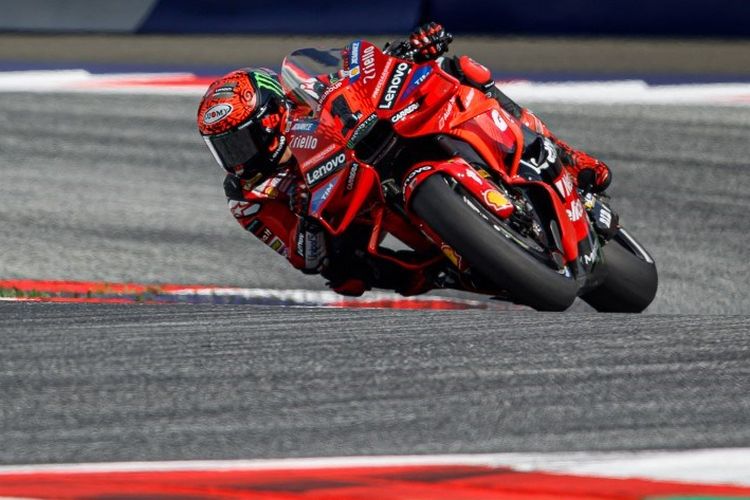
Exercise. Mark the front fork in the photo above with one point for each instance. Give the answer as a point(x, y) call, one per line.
point(604, 220)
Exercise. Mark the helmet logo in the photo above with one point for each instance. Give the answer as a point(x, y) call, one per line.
point(216, 113)
point(264, 81)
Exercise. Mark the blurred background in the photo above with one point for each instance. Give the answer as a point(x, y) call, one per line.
point(722, 18)
point(546, 39)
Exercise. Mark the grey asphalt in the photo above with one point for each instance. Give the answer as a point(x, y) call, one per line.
point(110, 383)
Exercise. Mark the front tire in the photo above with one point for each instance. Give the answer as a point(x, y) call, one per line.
point(489, 248)
point(631, 282)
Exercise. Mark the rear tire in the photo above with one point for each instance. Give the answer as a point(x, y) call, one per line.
point(631, 282)
point(465, 225)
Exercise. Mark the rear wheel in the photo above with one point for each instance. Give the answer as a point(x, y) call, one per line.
point(492, 248)
point(631, 282)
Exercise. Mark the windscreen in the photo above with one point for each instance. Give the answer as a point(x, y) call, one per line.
point(305, 74)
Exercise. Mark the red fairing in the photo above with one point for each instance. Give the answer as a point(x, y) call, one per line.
point(467, 176)
point(475, 73)
point(416, 100)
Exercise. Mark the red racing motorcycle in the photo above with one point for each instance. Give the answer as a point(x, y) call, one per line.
point(482, 205)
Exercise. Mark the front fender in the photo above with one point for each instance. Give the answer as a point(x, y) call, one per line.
point(484, 191)
point(487, 193)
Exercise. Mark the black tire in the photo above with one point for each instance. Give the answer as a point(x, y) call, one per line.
point(631, 282)
point(488, 251)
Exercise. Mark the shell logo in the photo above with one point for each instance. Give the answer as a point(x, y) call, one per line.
point(496, 199)
point(451, 254)
point(216, 113)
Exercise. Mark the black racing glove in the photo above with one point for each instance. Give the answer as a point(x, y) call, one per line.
point(299, 199)
point(429, 42)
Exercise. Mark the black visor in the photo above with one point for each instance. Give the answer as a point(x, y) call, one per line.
point(237, 147)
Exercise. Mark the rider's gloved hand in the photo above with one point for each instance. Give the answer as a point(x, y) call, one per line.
point(592, 175)
point(429, 42)
point(299, 199)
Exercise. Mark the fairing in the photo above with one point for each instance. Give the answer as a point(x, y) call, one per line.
point(346, 95)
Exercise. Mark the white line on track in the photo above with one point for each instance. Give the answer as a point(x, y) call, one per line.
point(712, 466)
point(591, 92)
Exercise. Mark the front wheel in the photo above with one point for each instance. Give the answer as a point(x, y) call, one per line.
point(492, 248)
point(631, 282)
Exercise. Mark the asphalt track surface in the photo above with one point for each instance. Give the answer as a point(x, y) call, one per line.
point(121, 188)
point(111, 383)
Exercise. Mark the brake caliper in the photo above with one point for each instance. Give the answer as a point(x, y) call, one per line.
point(605, 220)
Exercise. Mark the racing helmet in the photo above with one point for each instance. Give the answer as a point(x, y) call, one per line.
point(241, 118)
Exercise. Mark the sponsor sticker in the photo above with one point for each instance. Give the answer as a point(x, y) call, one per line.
point(319, 155)
point(413, 175)
point(411, 108)
point(565, 184)
point(328, 91)
point(216, 113)
point(225, 89)
point(496, 199)
point(383, 77)
point(451, 254)
point(264, 81)
point(499, 122)
point(473, 175)
point(417, 79)
point(394, 85)
point(272, 192)
point(279, 149)
point(362, 130)
point(446, 114)
point(304, 142)
point(315, 249)
point(300, 246)
point(354, 61)
point(352, 176)
point(321, 195)
point(368, 63)
point(255, 227)
point(278, 246)
point(330, 165)
point(308, 126)
point(590, 258)
point(576, 210)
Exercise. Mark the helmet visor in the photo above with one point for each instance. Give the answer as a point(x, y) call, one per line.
point(236, 147)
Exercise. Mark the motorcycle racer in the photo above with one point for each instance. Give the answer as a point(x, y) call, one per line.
point(244, 118)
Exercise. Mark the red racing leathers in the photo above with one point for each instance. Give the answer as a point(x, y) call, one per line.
point(264, 210)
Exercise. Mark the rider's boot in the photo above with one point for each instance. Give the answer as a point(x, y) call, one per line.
point(592, 175)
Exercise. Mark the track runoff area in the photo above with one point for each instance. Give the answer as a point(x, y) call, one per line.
point(710, 473)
